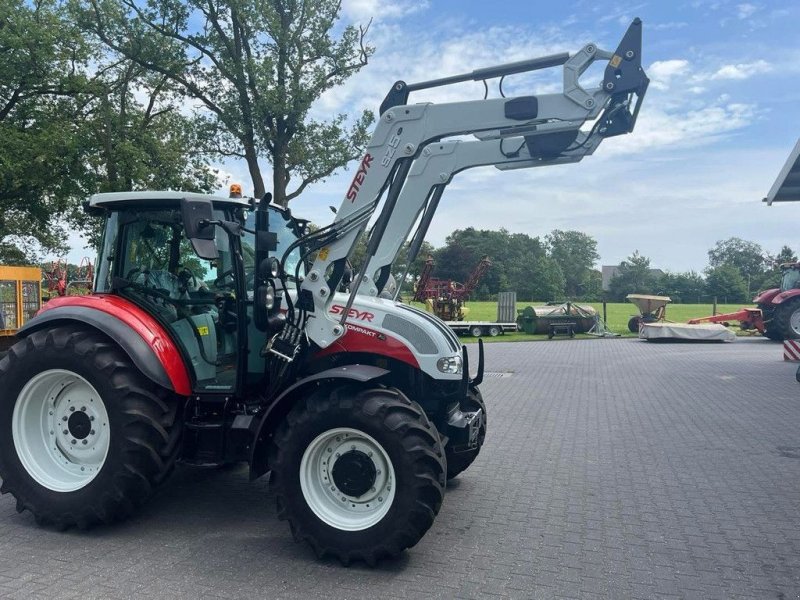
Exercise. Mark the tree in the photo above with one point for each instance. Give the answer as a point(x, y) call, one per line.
point(772, 277)
point(256, 67)
point(747, 257)
point(575, 253)
point(519, 263)
point(727, 284)
point(682, 287)
point(41, 56)
point(634, 277)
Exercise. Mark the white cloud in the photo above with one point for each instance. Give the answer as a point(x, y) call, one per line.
point(381, 10)
point(662, 72)
point(742, 70)
point(745, 10)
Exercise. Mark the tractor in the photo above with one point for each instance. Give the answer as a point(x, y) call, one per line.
point(212, 337)
point(780, 307)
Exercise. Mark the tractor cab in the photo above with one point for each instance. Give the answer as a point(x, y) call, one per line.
point(194, 275)
point(790, 279)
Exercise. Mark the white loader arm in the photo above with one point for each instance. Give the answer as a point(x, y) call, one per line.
point(549, 123)
point(434, 170)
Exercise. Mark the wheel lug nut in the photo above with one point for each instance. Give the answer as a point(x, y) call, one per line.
point(74, 442)
point(64, 418)
point(377, 472)
point(84, 442)
point(71, 409)
point(91, 432)
point(65, 432)
point(91, 418)
point(352, 447)
point(83, 408)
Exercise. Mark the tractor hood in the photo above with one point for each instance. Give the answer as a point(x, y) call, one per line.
point(398, 331)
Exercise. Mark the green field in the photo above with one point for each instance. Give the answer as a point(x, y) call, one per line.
point(618, 315)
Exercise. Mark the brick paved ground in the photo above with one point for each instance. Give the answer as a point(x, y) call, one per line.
point(613, 468)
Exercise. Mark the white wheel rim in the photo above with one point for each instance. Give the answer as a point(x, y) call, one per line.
point(60, 430)
point(332, 505)
point(794, 321)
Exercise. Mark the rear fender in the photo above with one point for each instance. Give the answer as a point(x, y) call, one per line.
point(766, 296)
point(137, 333)
point(784, 297)
point(278, 410)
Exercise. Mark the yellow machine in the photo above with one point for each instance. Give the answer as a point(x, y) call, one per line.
point(20, 299)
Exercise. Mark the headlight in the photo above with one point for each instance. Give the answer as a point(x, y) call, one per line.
point(269, 298)
point(449, 364)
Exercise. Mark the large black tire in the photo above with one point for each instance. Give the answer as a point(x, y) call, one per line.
point(781, 323)
point(143, 423)
point(458, 462)
point(767, 314)
point(405, 434)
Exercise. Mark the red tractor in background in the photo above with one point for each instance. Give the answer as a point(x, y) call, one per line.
point(780, 307)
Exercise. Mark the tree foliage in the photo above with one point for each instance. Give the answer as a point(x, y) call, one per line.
point(76, 120)
point(256, 67)
point(747, 257)
point(575, 253)
point(634, 277)
point(519, 263)
point(727, 284)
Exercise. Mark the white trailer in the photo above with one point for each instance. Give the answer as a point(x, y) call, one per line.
point(481, 328)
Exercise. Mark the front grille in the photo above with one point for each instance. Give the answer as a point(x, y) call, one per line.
point(448, 334)
point(421, 341)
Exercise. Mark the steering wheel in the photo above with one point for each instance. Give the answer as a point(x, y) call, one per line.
point(220, 280)
point(185, 276)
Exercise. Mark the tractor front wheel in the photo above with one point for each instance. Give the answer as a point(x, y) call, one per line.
point(358, 473)
point(786, 320)
point(84, 436)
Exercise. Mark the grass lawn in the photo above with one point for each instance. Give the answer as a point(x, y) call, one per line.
point(618, 315)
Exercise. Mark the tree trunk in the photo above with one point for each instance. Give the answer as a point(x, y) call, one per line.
point(251, 157)
point(279, 179)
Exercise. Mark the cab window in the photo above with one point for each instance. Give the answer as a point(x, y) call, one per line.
point(158, 269)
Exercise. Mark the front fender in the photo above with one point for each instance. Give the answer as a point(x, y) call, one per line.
point(785, 296)
point(766, 296)
point(136, 332)
point(283, 404)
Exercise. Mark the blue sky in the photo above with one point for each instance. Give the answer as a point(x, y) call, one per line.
point(721, 115)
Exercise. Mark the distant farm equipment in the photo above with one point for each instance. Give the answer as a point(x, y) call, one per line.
point(557, 318)
point(59, 283)
point(652, 309)
point(446, 298)
point(20, 300)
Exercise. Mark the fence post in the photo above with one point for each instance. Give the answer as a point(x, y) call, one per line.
point(715, 306)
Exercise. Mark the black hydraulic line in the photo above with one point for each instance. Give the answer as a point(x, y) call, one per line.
point(427, 217)
point(521, 66)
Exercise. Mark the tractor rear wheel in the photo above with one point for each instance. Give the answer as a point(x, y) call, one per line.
point(358, 473)
point(458, 462)
point(84, 436)
point(786, 320)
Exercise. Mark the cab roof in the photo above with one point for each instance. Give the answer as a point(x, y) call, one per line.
point(109, 200)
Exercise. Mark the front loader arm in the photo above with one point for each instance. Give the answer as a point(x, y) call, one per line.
point(550, 125)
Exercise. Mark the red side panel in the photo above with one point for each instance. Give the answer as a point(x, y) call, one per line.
point(143, 324)
point(362, 339)
point(784, 296)
point(767, 296)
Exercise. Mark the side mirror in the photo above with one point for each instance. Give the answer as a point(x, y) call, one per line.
point(197, 217)
point(266, 244)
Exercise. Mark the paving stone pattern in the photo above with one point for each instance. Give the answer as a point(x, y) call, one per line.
point(612, 469)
